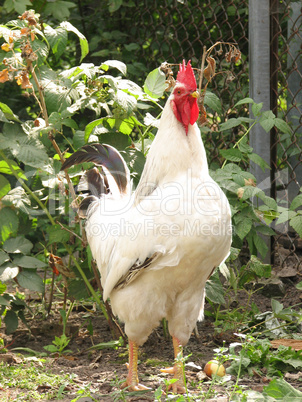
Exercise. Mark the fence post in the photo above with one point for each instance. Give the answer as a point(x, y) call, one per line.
point(259, 62)
point(294, 95)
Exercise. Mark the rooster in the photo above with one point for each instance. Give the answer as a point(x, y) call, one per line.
point(156, 247)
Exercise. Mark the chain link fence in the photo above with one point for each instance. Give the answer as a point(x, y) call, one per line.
point(286, 102)
point(171, 30)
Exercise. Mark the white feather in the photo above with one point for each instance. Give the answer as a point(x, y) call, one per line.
point(177, 211)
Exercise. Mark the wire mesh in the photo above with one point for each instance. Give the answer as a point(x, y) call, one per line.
point(286, 102)
point(172, 30)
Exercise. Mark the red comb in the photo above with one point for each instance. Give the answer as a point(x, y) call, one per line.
point(186, 75)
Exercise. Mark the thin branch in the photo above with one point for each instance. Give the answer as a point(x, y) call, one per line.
point(70, 231)
point(43, 107)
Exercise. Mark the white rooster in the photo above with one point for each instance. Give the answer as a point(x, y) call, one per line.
point(156, 248)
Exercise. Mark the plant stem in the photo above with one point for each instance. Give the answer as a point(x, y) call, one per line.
point(240, 139)
point(52, 221)
point(25, 186)
point(43, 107)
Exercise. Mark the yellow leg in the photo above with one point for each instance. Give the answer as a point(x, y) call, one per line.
point(178, 387)
point(131, 382)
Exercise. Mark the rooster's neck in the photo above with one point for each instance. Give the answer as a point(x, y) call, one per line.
point(173, 152)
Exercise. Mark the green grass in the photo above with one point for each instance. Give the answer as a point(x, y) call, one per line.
point(32, 380)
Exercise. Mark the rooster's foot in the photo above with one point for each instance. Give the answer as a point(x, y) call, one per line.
point(178, 386)
point(177, 389)
point(134, 387)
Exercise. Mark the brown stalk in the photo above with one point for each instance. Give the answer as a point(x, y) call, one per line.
point(113, 324)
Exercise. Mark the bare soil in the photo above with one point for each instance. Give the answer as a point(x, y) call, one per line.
point(103, 369)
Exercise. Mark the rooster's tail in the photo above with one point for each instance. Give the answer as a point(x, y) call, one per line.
point(109, 176)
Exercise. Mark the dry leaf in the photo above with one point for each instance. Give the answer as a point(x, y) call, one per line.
point(4, 75)
point(209, 71)
point(24, 31)
point(202, 115)
point(250, 182)
point(7, 47)
point(58, 267)
point(293, 343)
point(23, 80)
point(240, 192)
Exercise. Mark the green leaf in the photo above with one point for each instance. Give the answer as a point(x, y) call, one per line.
point(282, 390)
point(283, 126)
point(296, 202)
point(267, 120)
point(18, 244)
point(250, 191)
point(18, 5)
point(3, 257)
point(117, 140)
point(4, 168)
point(232, 154)
point(270, 202)
point(8, 271)
point(28, 150)
point(57, 39)
point(11, 320)
point(266, 230)
point(119, 65)
point(19, 199)
point(83, 40)
point(230, 124)
point(126, 101)
point(296, 223)
point(59, 9)
point(4, 186)
point(8, 113)
point(3, 301)
point(91, 126)
point(31, 280)
point(256, 108)
point(114, 5)
point(77, 290)
point(214, 290)
point(155, 83)
point(28, 262)
point(31, 152)
point(260, 269)
point(213, 102)
point(260, 245)
point(299, 286)
point(285, 216)
point(9, 223)
point(56, 234)
point(259, 161)
point(243, 228)
point(40, 49)
point(244, 101)
point(79, 139)
point(277, 307)
point(3, 118)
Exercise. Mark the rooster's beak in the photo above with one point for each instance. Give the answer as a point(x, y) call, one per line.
point(195, 94)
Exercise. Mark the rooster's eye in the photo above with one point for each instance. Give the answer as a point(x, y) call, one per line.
point(178, 92)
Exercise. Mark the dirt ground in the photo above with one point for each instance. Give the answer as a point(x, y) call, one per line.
point(104, 368)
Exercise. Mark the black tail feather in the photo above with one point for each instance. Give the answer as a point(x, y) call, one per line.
point(102, 155)
point(93, 181)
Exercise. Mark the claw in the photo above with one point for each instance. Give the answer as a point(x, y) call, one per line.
point(177, 371)
point(134, 387)
point(177, 389)
point(131, 382)
point(168, 370)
